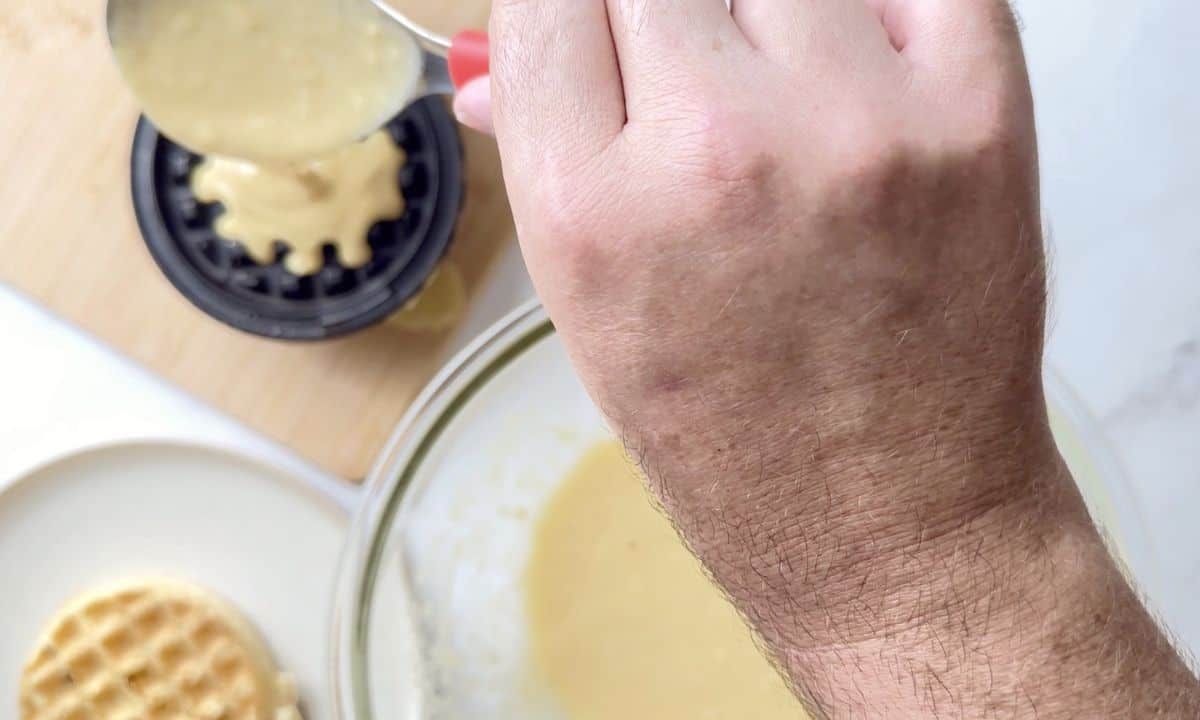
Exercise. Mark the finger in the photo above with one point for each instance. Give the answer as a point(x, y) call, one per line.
point(662, 43)
point(556, 87)
point(965, 41)
point(796, 31)
point(473, 105)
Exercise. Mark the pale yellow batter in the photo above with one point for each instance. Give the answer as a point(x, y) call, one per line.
point(625, 624)
point(264, 80)
point(332, 200)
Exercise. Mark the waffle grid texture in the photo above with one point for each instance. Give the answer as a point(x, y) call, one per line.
point(153, 651)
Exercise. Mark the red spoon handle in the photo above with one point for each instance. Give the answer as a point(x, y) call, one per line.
point(468, 57)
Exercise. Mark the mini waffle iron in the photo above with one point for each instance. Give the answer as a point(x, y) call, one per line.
point(220, 278)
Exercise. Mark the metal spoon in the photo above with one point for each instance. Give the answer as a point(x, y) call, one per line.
point(455, 61)
point(446, 63)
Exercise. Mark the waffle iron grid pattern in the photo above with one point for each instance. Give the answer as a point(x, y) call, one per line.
point(223, 280)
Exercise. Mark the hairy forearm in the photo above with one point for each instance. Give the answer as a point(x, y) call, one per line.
point(907, 575)
point(1018, 613)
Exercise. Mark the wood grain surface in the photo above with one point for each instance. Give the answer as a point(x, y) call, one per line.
point(68, 239)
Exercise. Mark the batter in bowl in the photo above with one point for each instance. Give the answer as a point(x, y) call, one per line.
point(264, 80)
point(625, 623)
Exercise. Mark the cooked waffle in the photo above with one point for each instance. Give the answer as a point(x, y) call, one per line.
point(153, 651)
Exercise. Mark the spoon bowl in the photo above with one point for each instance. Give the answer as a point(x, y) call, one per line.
point(254, 81)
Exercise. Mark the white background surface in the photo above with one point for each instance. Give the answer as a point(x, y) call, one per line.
point(1118, 111)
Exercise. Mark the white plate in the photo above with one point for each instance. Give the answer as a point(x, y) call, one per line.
point(266, 542)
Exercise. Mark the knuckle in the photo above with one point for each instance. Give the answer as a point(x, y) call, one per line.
point(721, 163)
point(873, 166)
point(866, 151)
point(715, 148)
point(561, 192)
point(557, 204)
point(982, 117)
point(993, 131)
point(569, 215)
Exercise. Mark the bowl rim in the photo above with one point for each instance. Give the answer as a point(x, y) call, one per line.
point(453, 388)
point(389, 480)
point(1133, 546)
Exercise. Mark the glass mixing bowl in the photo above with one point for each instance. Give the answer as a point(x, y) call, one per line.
point(429, 619)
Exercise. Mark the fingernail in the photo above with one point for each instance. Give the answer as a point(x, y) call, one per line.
point(473, 105)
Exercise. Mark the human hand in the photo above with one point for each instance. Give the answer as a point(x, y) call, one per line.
point(800, 215)
point(795, 255)
point(805, 237)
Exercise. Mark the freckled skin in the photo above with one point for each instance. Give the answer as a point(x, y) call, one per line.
point(803, 275)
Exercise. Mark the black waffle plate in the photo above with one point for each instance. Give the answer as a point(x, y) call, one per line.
point(220, 278)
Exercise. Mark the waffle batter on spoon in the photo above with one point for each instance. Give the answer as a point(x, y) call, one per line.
point(264, 80)
point(277, 93)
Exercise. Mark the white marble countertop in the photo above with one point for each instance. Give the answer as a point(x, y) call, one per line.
point(1118, 109)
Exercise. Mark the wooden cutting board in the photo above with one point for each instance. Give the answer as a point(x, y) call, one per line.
point(68, 238)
